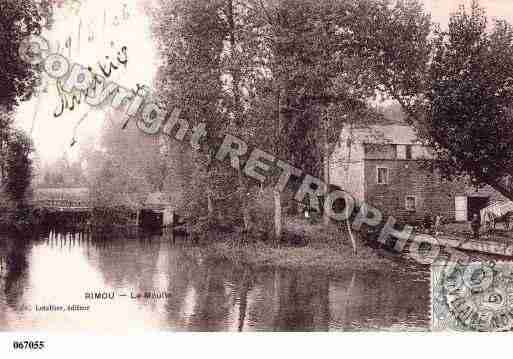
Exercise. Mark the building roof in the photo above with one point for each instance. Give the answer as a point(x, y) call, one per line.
point(62, 193)
point(391, 134)
point(157, 199)
point(133, 199)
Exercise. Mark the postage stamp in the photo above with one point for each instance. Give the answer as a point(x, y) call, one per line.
point(473, 297)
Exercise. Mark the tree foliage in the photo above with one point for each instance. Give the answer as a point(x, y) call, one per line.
point(124, 166)
point(18, 166)
point(18, 19)
point(468, 118)
point(18, 81)
point(284, 76)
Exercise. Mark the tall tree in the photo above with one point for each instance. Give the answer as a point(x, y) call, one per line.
point(18, 81)
point(328, 58)
point(126, 165)
point(283, 74)
point(469, 113)
point(390, 49)
point(205, 50)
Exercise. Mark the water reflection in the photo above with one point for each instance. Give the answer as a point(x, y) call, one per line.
point(14, 267)
point(202, 294)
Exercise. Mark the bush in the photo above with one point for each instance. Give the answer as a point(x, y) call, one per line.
point(110, 216)
point(17, 216)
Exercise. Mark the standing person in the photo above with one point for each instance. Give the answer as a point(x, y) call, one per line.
point(428, 223)
point(306, 212)
point(438, 223)
point(476, 225)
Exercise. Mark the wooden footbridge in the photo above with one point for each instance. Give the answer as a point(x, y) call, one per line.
point(64, 205)
point(75, 205)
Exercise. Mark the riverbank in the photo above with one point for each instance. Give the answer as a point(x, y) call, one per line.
point(307, 246)
point(20, 219)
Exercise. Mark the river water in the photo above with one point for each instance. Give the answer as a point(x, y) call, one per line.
point(190, 292)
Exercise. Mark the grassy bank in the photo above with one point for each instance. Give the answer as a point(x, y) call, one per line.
point(311, 246)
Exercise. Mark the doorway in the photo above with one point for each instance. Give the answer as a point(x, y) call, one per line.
point(475, 205)
point(151, 219)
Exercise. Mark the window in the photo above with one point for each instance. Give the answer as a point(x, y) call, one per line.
point(382, 175)
point(408, 152)
point(411, 203)
point(401, 152)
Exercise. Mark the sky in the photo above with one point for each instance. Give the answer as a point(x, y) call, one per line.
point(106, 26)
point(441, 9)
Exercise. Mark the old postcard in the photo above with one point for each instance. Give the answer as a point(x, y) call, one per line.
point(255, 165)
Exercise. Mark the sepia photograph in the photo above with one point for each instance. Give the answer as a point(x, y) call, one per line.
point(258, 166)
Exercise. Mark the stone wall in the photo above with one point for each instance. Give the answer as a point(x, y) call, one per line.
point(410, 178)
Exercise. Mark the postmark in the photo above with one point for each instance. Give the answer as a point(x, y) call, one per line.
point(477, 296)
